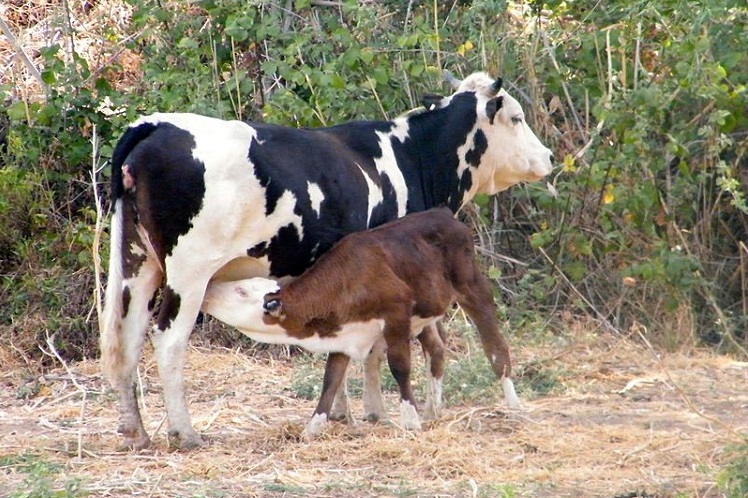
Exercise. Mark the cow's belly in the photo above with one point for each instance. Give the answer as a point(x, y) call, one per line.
point(242, 268)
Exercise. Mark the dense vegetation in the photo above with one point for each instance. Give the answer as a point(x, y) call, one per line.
point(643, 229)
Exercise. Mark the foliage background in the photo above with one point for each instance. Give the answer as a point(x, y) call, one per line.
point(644, 104)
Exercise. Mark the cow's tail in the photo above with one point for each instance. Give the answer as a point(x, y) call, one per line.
point(110, 327)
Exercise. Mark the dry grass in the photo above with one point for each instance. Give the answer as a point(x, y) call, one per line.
point(626, 421)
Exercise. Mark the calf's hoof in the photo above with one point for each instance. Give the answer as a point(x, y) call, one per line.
point(409, 419)
point(316, 425)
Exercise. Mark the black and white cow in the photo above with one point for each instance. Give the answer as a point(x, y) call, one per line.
point(197, 198)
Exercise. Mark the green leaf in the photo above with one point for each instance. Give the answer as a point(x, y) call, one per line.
point(187, 43)
point(17, 111)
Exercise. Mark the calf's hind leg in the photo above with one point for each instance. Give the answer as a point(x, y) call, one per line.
point(432, 341)
point(397, 335)
point(477, 301)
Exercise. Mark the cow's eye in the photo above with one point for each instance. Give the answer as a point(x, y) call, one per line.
point(516, 119)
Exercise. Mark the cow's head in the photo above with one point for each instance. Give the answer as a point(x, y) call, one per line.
point(512, 153)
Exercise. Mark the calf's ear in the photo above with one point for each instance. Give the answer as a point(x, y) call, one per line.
point(273, 307)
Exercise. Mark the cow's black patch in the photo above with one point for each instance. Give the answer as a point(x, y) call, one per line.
point(288, 160)
point(125, 300)
point(480, 144)
point(170, 305)
point(171, 184)
point(428, 157)
point(258, 250)
point(129, 140)
point(286, 242)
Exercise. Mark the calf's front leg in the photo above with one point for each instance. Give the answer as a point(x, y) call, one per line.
point(337, 364)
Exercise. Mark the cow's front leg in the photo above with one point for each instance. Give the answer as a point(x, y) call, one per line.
point(372, 398)
point(337, 364)
point(397, 336)
point(170, 337)
point(341, 405)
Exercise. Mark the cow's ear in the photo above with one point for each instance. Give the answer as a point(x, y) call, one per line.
point(493, 106)
point(273, 307)
point(432, 102)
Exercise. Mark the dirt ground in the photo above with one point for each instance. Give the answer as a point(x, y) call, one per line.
point(625, 423)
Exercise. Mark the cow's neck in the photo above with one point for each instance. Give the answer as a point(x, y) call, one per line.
point(437, 149)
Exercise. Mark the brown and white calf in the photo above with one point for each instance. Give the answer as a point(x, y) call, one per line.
point(388, 282)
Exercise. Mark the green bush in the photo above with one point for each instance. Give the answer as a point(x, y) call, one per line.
point(644, 105)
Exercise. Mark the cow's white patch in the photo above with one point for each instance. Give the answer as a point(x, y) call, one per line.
point(510, 395)
point(315, 426)
point(375, 197)
point(409, 419)
point(315, 196)
point(135, 249)
point(387, 163)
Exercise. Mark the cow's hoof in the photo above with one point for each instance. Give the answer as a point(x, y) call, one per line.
point(133, 440)
point(375, 417)
point(185, 441)
point(135, 444)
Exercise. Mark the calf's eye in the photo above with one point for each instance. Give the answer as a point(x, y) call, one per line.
point(516, 119)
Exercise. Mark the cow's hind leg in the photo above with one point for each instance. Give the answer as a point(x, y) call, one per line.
point(372, 398)
point(138, 297)
point(337, 364)
point(397, 335)
point(432, 342)
point(181, 300)
point(477, 301)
